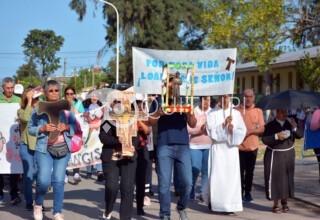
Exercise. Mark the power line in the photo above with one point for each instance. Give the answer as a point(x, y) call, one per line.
point(66, 52)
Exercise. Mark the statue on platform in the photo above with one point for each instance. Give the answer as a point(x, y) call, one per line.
point(177, 82)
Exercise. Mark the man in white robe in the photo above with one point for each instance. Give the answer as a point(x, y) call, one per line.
point(227, 130)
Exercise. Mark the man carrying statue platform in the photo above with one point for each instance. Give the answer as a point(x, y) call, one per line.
point(172, 148)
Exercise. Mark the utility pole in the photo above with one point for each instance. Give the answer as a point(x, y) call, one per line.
point(85, 81)
point(117, 47)
point(64, 67)
point(92, 70)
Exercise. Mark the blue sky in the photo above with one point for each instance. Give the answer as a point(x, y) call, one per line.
point(82, 42)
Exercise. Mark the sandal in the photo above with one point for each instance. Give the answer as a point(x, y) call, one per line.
point(276, 209)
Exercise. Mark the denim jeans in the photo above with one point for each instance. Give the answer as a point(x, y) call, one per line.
point(199, 161)
point(27, 157)
point(168, 155)
point(98, 167)
point(48, 165)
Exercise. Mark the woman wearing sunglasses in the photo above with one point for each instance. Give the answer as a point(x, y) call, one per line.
point(51, 158)
point(76, 108)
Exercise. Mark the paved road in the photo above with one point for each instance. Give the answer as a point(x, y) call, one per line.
point(85, 201)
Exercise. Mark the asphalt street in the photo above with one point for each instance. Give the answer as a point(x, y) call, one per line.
point(86, 201)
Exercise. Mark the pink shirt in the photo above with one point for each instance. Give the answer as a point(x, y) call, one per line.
point(195, 134)
point(60, 139)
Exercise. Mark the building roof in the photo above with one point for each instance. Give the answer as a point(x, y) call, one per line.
point(284, 60)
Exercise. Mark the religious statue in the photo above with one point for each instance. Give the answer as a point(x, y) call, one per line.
point(177, 82)
point(171, 86)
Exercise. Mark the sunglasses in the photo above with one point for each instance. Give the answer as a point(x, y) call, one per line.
point(53, 90)
point(69, 93)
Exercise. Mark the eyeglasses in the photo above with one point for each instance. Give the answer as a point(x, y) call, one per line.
point(53, 90)
point(71, 93)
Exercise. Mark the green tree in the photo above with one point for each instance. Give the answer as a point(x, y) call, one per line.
point(28, 74)
point(253, 27)
point(154, 24)
point(84, 79)
point(305, 17)
point(41, 46)
point(309, 69)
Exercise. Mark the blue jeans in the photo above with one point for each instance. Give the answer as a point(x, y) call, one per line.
point(199, 161)
point(98, 166)
point(167, 156)
point(27, 157)
point(48, 165)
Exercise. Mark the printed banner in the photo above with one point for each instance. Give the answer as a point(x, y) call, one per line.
point(214, 70)
point(10, 161)
point(89, 154)
point(91, 146)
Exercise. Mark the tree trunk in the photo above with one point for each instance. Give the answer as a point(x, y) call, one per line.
point(267, 92)
point(267, 82)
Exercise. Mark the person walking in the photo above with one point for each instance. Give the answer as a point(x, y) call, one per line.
point(115, 165)
point(172, 148)
point(279, 159)
point(76, 108)
point(27, 145)
point(94, 102)
point(143, 157)
point(200, 144)
point(248, 149)
point(227, 130)
point(8, 97)
point(51, 157)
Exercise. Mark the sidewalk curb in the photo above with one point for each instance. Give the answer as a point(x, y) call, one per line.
point(295, 198)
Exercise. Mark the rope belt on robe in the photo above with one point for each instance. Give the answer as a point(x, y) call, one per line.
point(270, 176)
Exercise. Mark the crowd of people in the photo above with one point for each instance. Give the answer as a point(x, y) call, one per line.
point(218, 140)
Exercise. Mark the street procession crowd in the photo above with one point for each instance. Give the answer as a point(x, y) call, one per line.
point(216, 140)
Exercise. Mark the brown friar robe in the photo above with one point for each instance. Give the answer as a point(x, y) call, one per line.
point(279, 159)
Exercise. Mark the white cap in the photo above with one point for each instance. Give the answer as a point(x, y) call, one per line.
point(18, 89)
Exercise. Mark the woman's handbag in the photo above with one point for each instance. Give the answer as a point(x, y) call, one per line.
point(76, 140)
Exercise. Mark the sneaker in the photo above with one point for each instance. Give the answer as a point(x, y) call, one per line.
point(77, 178)
point(199, 199)
point(146, 201)
point(58, 216)
point(100, 177)
point(248, 197)
point(165, 217)
point(29, 207)
point(37, 212)
point(182, 214)
point(15, 201)
point(104, 216)
point(66, 179)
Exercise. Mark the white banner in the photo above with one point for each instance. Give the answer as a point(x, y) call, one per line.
point(214, 70)
point(91, 146)
point(10, 161)
point(89, 154)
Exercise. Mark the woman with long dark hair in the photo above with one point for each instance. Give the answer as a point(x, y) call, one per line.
point(76, 107)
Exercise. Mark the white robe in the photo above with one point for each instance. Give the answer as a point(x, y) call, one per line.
point(223, 188)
